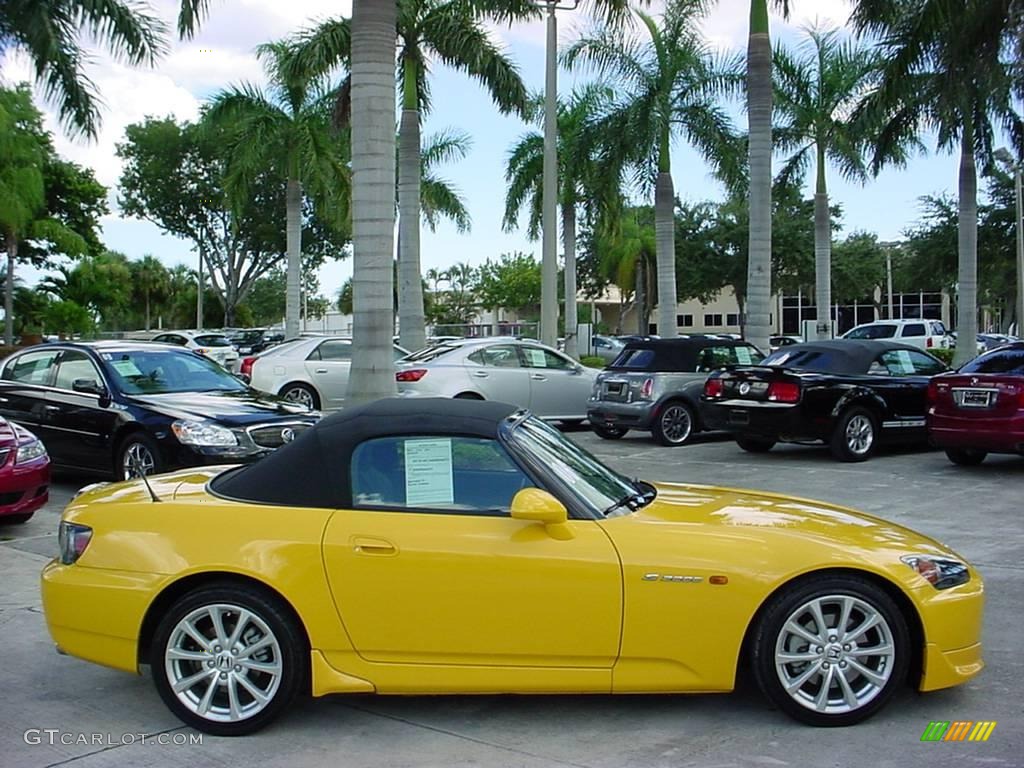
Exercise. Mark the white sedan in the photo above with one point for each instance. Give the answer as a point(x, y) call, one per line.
point(529, 374)
point(311, 371)
point(215, 346)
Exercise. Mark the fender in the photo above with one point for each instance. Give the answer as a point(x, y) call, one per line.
point(858, 394)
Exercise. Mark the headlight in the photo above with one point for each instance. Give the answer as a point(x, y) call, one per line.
point(204, 434)
point(940, 572)
point(72, 540)
point(29, 452)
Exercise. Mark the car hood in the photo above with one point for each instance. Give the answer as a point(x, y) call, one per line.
point(772, 517)
point(233, 408)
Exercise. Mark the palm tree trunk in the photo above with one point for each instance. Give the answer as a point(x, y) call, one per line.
point(665, 243)
point(373, 198)
point(822, 251)
point(411, 320)
point(967, 248)
point(641, 296)
point(759, 111)
point(147, 310)
point(569, 246)
point(12, 254)
point(293, 232)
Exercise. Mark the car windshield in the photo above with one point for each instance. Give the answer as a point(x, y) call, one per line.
point(158, 372)
point(882, 331)
point(997, 361)
point(213, 340)
point(583, 475)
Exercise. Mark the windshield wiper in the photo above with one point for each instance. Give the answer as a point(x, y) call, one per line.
point(633, 501)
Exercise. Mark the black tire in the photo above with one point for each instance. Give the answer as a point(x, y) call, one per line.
point(835, 658)
point(297, 392)
point(609, 433)
point(16, 519)
point(137, 449)
point(468, 396)
point(754, 444)
point(290, 654)
point(674, 424)
point(855, 436)
point(572, 423)
point(966, 457)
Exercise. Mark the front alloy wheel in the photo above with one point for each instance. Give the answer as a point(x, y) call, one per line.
point(674, 424)
point(833, 652)
point(227, 660)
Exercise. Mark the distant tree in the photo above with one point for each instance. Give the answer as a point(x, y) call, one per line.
point(858, 267)
point(510, 282)
point(102, 285)
point(67, 318)
point(150, 283)
point(452, 298)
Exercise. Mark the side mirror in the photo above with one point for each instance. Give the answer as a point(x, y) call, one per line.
point(88, 387)
point(535, 505)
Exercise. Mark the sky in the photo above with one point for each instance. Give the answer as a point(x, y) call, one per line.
point(222, 55)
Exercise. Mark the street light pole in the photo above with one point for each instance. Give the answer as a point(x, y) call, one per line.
point(549, 207)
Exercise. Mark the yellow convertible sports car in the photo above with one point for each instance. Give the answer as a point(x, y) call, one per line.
point(452, 546)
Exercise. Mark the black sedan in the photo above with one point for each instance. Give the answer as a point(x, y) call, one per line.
point(124, 407)
point(849, 394)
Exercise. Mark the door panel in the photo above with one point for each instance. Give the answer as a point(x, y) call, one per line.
point(557, 388)
point(23, 389)
point(495, 371)
point(474, 590)
point(328, 368)
point(79, 424)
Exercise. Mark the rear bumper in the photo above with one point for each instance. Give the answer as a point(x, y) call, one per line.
point(778, 421)
point(632, 415)
point(996, 435)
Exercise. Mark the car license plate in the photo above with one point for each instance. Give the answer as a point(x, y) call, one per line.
point(739, 417)
point(974, 398)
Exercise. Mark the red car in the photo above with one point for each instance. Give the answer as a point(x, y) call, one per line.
point(24, 473)
point(980, 408)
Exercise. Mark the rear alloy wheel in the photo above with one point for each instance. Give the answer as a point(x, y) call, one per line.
point(227, 659)
point(674, 425)
point(609, 433)
point(855, 435)
point(138, 455)
point(832, 651)
point(754, 445)
point(966, 457)
point(302, 394)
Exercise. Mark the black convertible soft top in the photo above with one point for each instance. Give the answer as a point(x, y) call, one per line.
point(851, 356)
point(313, 471)
point(670, 355)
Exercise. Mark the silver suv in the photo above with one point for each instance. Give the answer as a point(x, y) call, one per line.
point(656, 385)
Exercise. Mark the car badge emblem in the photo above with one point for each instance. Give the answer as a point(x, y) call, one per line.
point(744, 388)
point(287, 435)
point(974, 380)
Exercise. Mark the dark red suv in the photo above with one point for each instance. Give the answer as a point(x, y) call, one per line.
point(980, 408)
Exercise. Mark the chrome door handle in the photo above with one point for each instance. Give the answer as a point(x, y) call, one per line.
point(5, 400)
point(51, 407)
point(538, 377)
point(320, 370)
point(481, 374)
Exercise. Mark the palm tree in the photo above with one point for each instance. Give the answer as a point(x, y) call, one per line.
point(759, 152)
point(671, 84)
point(816, 96)
point(448, 31)
point(580, 182)
point(439, 199)
point(287, 128)
point(49, 33)
point(151, 279)
point(627, 254)
point(945, 72)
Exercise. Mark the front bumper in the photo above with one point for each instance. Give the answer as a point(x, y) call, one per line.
point(952, 621)
point(638, 415)
point(24, 488)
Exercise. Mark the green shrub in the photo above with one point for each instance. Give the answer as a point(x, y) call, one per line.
point(592, 362)
point(945, 355)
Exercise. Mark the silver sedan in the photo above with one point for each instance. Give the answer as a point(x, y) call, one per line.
point(549, 383)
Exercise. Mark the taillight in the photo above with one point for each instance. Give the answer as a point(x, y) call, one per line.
point(200, 351)
point(930, 342)
point(933, 393)
point(414, 374)
point(646, 388)
point(714, 388)
point(246, 367)
point(783, 392)
point(72, 539)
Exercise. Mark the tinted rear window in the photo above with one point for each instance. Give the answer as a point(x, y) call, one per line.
point(213, 341)
point(427, 354)
point(635, 359)
point(872, 332)
point(1000, 361)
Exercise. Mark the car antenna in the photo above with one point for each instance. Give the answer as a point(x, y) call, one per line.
point(141, 473)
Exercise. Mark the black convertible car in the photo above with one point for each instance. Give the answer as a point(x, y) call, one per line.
point(124, 407)
point(849, 394)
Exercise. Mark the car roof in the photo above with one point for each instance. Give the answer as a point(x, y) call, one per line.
point(856, 354)
point(901, 321)
point(306, 473)
point(104, 345)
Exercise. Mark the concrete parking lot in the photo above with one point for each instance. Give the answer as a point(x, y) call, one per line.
point(977, 511)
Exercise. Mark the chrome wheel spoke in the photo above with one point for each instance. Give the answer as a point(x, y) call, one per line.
point(848, 695)
point(255, 692)
point(204, 703)
point(236, 633)
point(798, 629)
point(868, 623)
point(875, 650)
point(188, 682)
point(217, 619)
point(189, 629)
point(873, 677)
point(233, 706)
point(819, 620)
point(844, 617)
point(821, 702)
point(798, 682)
point(796, 658)
point(179, 655)
point(271, 668)
point(249, 650)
